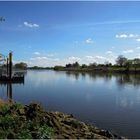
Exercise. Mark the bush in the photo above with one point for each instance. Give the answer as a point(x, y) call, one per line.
point(16, 122)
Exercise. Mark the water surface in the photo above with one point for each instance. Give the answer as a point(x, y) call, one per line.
point(109, 101)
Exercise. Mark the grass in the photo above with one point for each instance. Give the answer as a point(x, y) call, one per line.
point(15, 122)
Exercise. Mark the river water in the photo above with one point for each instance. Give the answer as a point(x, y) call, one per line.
point(108, 101)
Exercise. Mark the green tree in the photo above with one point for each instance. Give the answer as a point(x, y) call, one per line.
point(58, 67)
point(76, 64)
point(128, 63)
point(93, 65)
point(121, 60)
point(107, 64)
point(84, 66)
point(68, 65)
point(136, 63)
point(21, 65)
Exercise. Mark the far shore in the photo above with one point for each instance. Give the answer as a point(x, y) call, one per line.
point(95, 70)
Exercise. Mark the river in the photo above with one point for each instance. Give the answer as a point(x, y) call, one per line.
point(108, 101)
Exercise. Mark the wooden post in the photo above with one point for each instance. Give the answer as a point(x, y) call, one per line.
point(7, 65)
point(10, 65)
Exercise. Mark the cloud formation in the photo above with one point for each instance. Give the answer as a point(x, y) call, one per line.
point(73, 59)
point(39, 58)
point(45, 61)
point(128, 51)
point(138, 48)
point(89, 41)
point(126, 36)
point(109, 52)
point(31, 25)
point(37, 53)
point(138, 40)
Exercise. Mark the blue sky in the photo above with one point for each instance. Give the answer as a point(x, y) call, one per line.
point(56, 33)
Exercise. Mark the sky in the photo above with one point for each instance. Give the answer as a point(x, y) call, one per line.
point(60, 32)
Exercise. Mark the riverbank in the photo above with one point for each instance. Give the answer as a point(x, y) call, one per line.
point(101, 70)
point(33, 122)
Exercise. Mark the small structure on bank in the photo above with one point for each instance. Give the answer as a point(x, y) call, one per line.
point(6, 72)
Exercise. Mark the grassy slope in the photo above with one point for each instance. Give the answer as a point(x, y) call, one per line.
point(32, 122)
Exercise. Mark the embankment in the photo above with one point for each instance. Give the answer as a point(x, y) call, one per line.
point(33, 122)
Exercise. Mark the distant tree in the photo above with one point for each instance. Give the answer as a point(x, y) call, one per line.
point(136, 63)
point(34, 67)
point(127, 64)
point(58, 67)
point(84, 66)
point(93, 65)
point(21, 65)
point(76, 64)
point(121, 60)
point(68, 65)
point(107, 64)
point(101, 65)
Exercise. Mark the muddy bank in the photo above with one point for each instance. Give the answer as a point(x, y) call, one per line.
point(67, 126)
point(32, 121)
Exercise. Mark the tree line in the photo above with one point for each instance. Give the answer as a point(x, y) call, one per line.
point(122, 63)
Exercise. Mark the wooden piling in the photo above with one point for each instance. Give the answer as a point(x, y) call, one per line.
point(7, 66)
point(10, 65)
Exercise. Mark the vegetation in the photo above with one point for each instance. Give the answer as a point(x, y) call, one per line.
point(39, 68)
point(32, 122)
point(21, 65)
point(22, 122)
point(122, 65)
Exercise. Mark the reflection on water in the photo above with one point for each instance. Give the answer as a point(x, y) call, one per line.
point(127, 79)
point(121, 79)
point(9, 91)
point(108, 101)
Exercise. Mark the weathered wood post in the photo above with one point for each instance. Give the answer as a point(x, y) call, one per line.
point(10, 65)
point(7, 66)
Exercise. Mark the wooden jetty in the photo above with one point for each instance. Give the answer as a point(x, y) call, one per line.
point(18, 79)
point(9, 77)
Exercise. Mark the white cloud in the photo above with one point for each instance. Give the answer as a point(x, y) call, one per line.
point(89, 57)
point(31, 25)
point(138, 40)
point(138, 48)
point(121, 36)
point(126, 36)
point(72, 58)
point(100, 57)
point(50, 55)
point(44, 61)
point(89, 41)
point(132, 36)
point(109, 52)
point(37, 53)
point(128, 51)
point(97, 59)
point(39, 58)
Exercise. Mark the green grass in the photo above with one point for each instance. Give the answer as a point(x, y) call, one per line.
point(15, 122)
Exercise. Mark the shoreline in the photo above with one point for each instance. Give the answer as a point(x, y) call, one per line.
point(56, 125)
point(105, 71)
